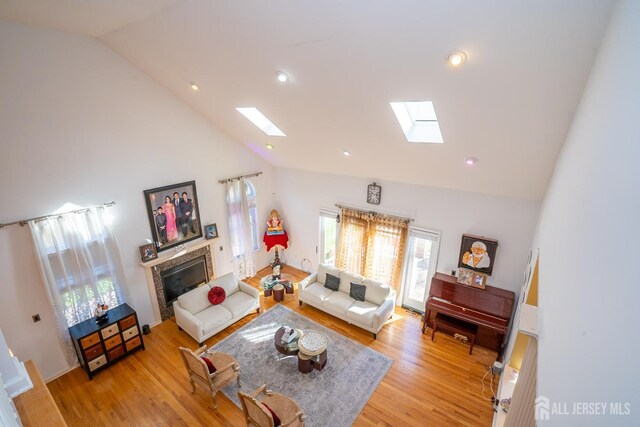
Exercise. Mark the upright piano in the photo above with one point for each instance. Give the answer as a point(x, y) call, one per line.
point(490, 309)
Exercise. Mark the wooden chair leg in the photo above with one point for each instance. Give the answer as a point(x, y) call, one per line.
point(433, 331)
point(238, 380)
point(215, 401)
point(473, 341)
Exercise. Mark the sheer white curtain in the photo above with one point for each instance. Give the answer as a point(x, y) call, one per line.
point(80, 266)
point(240, 229)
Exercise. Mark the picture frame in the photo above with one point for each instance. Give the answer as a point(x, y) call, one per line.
point(210, 231)
point(173, 222)
point(148, 252)
point(477, 253)
point(374, 194)
point(465, 276)
point(478, 280)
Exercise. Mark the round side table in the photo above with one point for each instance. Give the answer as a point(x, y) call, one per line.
point(278, 293)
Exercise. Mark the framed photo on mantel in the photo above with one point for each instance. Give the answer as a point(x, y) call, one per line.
point(174, 216)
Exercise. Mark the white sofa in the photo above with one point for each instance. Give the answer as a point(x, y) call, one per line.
point(197, 317)
point(370, 314)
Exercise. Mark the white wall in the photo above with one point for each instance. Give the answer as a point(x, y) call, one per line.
point(80, 124)
point(588, 236)
point(511, 221)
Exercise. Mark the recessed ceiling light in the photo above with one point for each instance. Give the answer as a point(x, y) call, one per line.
point(195, 87)
point(456, 59)
point(282, 77)
point(346, 152)
point(269, 147)
point(418, 121)
point(471, 161)
point(260, 120)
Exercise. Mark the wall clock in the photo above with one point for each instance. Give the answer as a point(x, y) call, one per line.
point(374, 192)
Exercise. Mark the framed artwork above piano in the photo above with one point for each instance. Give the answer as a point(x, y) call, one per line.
point(491, 309)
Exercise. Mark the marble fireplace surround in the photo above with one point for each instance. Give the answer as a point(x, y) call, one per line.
point(154, 268)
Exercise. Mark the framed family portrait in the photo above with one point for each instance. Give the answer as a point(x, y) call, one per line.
point(477, 253)
point(210, 231)
point(148, 252)
point(174, 216)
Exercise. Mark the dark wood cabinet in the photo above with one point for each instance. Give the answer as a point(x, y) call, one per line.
point(100, 345)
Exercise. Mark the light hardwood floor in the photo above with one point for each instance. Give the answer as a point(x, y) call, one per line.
point(430, 383)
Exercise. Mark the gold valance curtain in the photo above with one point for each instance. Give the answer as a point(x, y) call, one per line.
point(372, 245)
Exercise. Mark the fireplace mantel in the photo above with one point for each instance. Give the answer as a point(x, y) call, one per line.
point(169, 260)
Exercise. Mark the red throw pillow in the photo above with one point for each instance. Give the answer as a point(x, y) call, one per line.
point(210, 365)
point(276, 420)
point(216, 295)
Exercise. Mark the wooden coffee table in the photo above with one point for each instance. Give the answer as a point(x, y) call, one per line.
point(312, 352)
point(281, 347)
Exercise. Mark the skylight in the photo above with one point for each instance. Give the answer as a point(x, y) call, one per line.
point(418, 121)
point(260, 120)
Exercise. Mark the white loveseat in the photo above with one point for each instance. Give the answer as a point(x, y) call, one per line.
point(370, 314)
point(197, 317)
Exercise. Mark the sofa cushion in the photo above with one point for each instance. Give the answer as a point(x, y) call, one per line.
point(332, 283)
point(357, 292)
point(315, 293)
point(216, 295)
point(323, 269)
point(362, 312)
point(195, 300)
point(239, 303)
point(227, 282)
point(346, 279)
point(213, 317)
point(377, 292)
point(337, 302)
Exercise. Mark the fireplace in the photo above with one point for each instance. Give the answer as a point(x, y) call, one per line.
point(172, 276)
point(182, 278)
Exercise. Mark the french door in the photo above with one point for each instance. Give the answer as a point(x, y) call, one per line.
point(419, 267)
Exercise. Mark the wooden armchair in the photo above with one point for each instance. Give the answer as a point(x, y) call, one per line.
point(227, 369)
point(256, 414)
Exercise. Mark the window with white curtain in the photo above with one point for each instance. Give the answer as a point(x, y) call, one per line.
point(243, 226)
point(80, 265)
point(233, 198)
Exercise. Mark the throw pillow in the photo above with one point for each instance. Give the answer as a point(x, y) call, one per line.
point(216, 295)
point(276, 420)
point(210, 364)
point(357, 291)
point(332, 282)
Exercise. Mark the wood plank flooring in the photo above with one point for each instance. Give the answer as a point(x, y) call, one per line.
point(429, 384)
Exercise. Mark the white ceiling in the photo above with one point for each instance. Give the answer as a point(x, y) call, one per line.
point(509, 106)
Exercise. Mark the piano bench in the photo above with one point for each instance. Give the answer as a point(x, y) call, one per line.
point(457, 326)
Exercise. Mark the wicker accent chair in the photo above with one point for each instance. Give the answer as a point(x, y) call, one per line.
point(256, 414)
point(227, 370)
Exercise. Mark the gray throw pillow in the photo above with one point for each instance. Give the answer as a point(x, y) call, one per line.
point(332, 282)
point(357, 291)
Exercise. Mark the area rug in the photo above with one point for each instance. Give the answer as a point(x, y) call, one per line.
point(331, 397)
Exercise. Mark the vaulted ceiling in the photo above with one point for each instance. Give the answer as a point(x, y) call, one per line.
point(509, 105)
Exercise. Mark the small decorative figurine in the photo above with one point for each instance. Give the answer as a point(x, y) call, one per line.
point(101, 312)
point(275, 237)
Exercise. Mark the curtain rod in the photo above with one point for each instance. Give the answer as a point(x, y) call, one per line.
point(374, 213)
point(224, 181)
point(24, 222)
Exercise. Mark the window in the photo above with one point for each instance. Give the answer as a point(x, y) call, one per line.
point(80, 262)
point(420, 266)
point(328, 237)
point(253, 215)
point(418, 121)
point(252, 211)
point(372, 245)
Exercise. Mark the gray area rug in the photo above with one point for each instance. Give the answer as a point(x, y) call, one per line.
point(331, 397)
